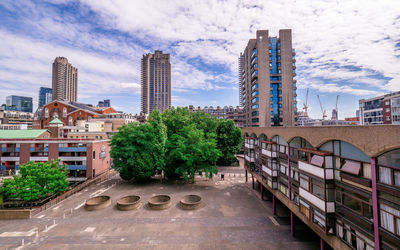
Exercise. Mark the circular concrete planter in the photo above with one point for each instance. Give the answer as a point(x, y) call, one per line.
point(191, 201)
point(160, 202)
point(98, 202)
point(128, 202)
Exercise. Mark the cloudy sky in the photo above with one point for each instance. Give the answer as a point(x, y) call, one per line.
point(350, 48)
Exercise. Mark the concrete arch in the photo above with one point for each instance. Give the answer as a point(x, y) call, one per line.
point(372, 140)
point(347, 150)
point(304, 143)
point(263, 136)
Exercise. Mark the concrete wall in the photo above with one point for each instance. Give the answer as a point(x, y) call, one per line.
point(15, 214)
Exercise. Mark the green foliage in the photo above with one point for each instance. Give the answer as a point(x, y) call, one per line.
point(178, 142)
point(190, 153)
point(229, 141)
point(36, 180)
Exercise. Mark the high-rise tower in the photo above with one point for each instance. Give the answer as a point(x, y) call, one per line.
point(65, 80)
point(266, 78)
point(156, 82)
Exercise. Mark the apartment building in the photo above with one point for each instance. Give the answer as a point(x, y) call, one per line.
point(267, 86)
point(84, 158)
point(340, 182)
point(155, 82)
point(64, 80)
point(383, 109)
point(11, 118)
point(228, 113)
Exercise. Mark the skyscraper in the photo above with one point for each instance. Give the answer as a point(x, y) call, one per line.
point(19, 103)
point(45, 96)
point(156, 82)
point(266, 80)
point(65, 80)
point(104, 103)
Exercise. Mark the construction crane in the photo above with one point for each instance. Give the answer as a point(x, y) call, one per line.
point(305, 107)
point(322, 110)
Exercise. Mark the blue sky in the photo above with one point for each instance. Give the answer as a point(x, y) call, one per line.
point(343, 47)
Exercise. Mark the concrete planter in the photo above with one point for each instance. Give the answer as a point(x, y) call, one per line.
point(98, 202)
point(159, 202)
point(128, 202)
point(191, 202)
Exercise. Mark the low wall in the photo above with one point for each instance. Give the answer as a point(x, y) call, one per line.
point(15, 214)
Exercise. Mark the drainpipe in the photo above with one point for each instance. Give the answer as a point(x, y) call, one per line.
point(273, 204)
point(252, 179)
point(291, 224)
point(321, 243)
point(375, 203)
point(261, 191)
point(246, 176)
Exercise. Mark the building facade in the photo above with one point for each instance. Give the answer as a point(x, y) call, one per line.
point(19, 103)
point(228, 113)
point(64, 80)
point(70, 113)
point(342, 181)
point(155, 82)
point(267, 87)
point(10, 118)
point(45, 96)
point(383, 109)
point(84, 158)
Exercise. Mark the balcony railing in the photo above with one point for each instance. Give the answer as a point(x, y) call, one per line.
point(76, 167)
point(40, 149)
point(249, 158)
point(247, 145)
point(272, 173)
point(327, 207)
point(323, 173)
point(269, 153)
point(72, 149)
point(10, 150)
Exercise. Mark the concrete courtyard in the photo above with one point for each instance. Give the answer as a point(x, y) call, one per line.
point(233, 217)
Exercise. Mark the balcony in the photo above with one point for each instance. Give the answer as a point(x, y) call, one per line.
point(322, 173)
point(76, 167)
point(272, 173)
point(248, 145)
point(72, 158)
point(10, 150)
point(249, 158)
point(269, 153)
point(327, 207)
point(9, 158)
point(39, 158)
point(72, 149)
point(40, 149)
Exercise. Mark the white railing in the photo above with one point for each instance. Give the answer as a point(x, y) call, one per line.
point(39, 158)
point(330, 206)
point(268, 153)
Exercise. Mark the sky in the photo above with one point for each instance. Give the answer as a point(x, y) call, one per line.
point(347, 48)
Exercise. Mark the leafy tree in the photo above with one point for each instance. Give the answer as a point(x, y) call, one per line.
point(229, 141)
point(133, 146)
point(36, 180)
point(190, 153)
point(160, 133)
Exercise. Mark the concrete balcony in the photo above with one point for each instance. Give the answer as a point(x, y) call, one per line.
point(326, 174)
point(39, 158)
point(72, 149)
point(39, 150)
point(247, 145)
point(76, 167)
point(269, 153)
point(327, 207)
point(272, 173)
point(10, 150)
point(72, 158)
point(9, 158)
point(248, 158)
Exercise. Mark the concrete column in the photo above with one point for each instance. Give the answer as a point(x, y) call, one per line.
point(252, 179)
point(273, 204)
point(246, 175)
point(291, 224)
point(261, 191)
point(375, 203)
point(322, 243)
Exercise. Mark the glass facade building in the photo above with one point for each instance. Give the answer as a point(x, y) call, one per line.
point(45, 96)
point(19, 103)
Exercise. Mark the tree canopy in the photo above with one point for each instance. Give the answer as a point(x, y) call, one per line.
point(36, 180)
point(178, 142)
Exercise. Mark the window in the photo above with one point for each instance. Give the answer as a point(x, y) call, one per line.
point(390, 218)
point(46, 113)
point(94, 155)
point(318, 189)
point(304, 182)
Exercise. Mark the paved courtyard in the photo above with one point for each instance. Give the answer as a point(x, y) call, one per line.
point(233, 217)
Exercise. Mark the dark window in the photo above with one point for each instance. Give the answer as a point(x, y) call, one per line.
point(94, 155)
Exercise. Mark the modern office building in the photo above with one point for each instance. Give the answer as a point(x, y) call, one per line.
point(65, 80)
point(267, 87)
point(384, 109)
point(45, 96)
point(104, 104)
point(343, 182)
point(228, 113)
point(19, 103)
point(155, 82)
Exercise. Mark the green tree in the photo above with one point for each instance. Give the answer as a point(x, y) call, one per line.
point(36, 180)
point(229, 141)
point(133, 147)
point(190, 152)
point(160, 134)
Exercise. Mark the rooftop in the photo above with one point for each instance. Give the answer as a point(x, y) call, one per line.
point(21, 134)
